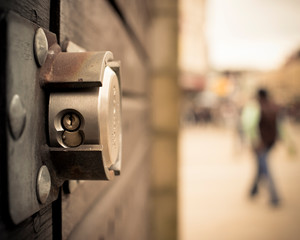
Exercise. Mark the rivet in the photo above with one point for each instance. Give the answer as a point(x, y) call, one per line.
point(40, 46)
point(17, 117)
point(43, 184)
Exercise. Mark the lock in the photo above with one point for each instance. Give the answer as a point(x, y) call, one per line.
point(61, 115)
point(84, 117)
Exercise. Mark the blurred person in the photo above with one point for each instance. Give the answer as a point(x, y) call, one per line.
point(263, 133)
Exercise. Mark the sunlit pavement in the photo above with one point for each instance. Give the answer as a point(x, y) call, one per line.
point(215, 174)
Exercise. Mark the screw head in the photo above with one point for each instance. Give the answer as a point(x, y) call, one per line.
point(40, 46)
point(71, 122)
point(43, 184)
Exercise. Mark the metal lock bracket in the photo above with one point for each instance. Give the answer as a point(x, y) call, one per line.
point(62, 115)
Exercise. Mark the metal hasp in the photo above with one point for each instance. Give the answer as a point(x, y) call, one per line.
point(26, 167)
point(84, 117)
point(60, 115)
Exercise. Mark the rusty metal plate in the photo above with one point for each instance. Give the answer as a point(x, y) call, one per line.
point(24, 141)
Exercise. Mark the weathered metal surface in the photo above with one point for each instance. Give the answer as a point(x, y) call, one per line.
point(82, 163)
point(73, 70)
point(25, 105)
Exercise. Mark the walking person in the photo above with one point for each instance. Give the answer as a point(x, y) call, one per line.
point(267, 136)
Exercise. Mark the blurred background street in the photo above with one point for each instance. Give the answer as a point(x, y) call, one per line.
point(227, 51)
point(215, 173)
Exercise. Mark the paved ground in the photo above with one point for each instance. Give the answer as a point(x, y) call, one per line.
point(214, 179)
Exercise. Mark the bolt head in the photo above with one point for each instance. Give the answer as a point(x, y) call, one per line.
point(40, 46)
point(43, 184)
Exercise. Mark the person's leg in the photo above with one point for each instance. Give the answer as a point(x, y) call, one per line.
point(266, 172)
point(254, 189)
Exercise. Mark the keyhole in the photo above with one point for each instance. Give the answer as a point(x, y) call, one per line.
point(71, 122)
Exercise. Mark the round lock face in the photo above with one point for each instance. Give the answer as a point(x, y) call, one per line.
point(110, 116)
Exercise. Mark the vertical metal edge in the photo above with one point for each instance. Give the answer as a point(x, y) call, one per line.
point(18, 181)
point(26, 155)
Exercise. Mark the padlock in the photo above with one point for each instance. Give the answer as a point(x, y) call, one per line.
point(84, 117)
